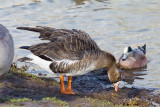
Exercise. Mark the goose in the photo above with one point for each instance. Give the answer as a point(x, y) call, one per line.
point(70, 53)
point(133, 58)
point(6, 50)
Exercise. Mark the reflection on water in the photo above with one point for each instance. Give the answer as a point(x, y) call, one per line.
point(113, 24)
point(130, 75)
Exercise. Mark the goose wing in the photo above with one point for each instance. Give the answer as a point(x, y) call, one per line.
point(47, 33)
point(64, 43)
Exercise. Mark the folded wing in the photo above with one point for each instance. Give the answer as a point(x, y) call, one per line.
point(63, 44)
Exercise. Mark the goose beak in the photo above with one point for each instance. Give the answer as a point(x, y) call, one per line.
point(116, 86)
point(124, 57)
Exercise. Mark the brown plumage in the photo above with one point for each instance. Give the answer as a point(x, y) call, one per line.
point(72, 53)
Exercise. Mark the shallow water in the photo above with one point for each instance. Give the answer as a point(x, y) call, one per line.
point(112, 24)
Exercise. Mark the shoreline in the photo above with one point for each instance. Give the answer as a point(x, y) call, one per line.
point(18, 88)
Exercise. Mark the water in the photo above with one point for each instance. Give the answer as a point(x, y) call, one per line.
point(113, 24)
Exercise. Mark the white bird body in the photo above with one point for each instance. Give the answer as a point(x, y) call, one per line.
point(6, 50)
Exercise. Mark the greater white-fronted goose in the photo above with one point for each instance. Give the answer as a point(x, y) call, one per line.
point(70, 53)
point(135, 58)
point(6, 50)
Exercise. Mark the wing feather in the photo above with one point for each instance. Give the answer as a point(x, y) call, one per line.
point(64, 43)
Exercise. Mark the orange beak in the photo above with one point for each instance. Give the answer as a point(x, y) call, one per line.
point(116, 86)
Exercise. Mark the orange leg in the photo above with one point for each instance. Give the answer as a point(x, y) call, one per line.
point(62, 84)
point(69, 89)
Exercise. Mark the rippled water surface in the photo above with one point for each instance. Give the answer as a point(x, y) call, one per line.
point(113, 24)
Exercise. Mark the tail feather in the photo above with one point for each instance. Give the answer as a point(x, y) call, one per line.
point(143, 48)
point(24, 47)
point(34, 29)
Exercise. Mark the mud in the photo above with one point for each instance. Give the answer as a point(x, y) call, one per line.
point(16, 85)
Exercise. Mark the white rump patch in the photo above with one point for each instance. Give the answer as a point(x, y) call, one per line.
point(40, 62)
